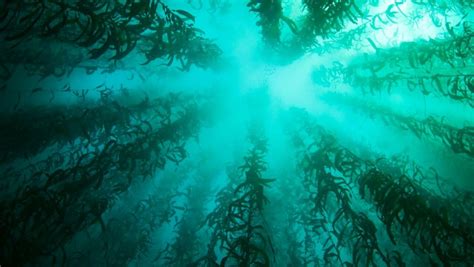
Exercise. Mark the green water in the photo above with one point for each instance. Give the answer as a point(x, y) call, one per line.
point(237, 133)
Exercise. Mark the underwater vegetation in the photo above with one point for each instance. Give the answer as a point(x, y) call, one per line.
point(426, 219)
point(237, 133)
point(270, 13)
point(238, 223)
point(115, 26)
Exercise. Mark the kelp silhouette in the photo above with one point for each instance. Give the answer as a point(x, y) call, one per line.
point(238, 222)
point(433, 224)
point(62, 198)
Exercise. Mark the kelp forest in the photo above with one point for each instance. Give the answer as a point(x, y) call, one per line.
point(206, 133)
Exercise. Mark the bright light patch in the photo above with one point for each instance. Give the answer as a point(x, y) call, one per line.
point(396, 99)
point(292, 86)
point(294, 9)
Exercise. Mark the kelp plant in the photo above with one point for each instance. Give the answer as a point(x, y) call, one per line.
point(64, 195)
point(411, 66)
point(114, 28)
point(238, 223)
point(271, 13)
point(433, 224)
point(326, 17)
point(458, 140)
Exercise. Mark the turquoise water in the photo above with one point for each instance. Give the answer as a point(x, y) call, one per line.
point(237, 133)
